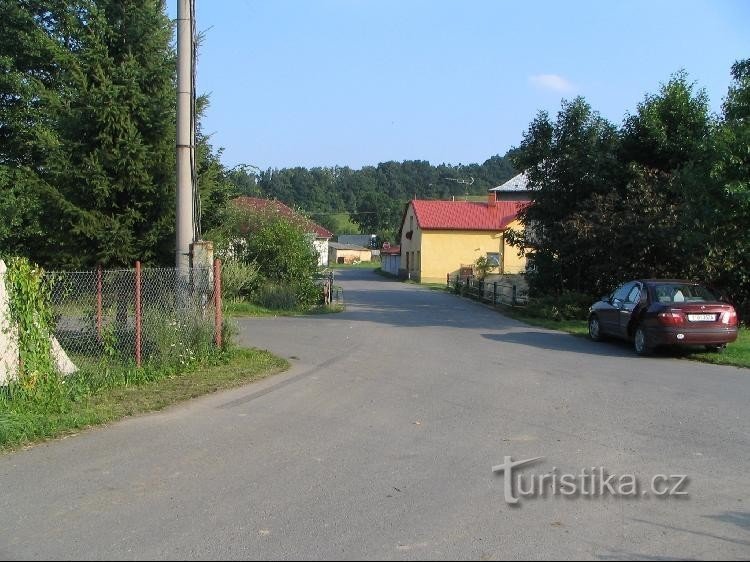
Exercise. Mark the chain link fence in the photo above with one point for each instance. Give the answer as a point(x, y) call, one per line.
point(138, 315)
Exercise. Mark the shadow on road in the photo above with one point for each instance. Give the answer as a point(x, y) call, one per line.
point(373, 298)
point(560, 341)
point(739, 518)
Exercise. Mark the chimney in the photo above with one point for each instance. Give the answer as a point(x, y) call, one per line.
point(491, 199)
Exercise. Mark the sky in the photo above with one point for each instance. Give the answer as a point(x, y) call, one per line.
point(357, 82)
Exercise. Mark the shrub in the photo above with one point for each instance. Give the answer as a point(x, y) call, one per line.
point(239, 280)
point(30, 306)
point(566, 306)
point(277, 246)
point(277, 297)
point(179, 340)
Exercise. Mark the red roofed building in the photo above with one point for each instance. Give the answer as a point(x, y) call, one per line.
point(318, 234)
point(445, 237)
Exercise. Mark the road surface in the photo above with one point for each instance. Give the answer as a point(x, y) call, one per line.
point(380, 443)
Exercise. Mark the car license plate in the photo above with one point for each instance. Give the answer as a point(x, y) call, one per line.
point(701, 317)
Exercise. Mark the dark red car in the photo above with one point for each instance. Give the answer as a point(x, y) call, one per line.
point(655, 312)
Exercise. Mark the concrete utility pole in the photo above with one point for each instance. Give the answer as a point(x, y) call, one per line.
point(185, 123)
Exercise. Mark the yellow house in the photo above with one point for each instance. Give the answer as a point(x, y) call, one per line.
point(440, 238)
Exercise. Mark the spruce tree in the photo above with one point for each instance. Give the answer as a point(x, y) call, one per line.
point(114, 173)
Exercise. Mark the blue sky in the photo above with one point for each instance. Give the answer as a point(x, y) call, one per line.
point(356, 82)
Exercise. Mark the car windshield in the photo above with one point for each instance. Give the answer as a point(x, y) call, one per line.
point(668, 293)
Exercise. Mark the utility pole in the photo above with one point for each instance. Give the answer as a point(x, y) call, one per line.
point(185, 228)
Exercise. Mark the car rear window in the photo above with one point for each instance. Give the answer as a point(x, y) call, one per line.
point(668, 293)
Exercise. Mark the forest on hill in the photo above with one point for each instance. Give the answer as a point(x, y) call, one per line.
point(373, 197)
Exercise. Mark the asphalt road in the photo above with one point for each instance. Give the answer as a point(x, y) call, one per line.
point(380, 443)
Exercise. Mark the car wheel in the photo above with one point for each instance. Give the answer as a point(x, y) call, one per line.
point(716, 348)
point(641, 343)
point(595, 328)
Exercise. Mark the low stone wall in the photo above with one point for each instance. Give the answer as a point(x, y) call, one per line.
point(9, 352)
point(8, 335)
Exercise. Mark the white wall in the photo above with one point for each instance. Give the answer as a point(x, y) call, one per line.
point(8, 336)
point(321, 246)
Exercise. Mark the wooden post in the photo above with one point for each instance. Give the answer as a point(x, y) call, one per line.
point(99, 301)
point(218, 320)
point(494, 293)
point(138, 318)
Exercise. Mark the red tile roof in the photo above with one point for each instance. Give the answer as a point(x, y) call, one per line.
point(273, 205)
point(465, 215)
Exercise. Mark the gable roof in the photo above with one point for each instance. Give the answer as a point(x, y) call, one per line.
point(273, 205)
point(356, 239)
point(342, 246)
point(514, 184)
point(465, 215)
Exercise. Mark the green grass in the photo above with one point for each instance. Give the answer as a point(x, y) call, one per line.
point(575, 327)
point(737, 353)
point(434, 286)
point(239, 309)
point(23, 422)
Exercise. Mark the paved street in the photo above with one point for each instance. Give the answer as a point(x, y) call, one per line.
point(380, 443)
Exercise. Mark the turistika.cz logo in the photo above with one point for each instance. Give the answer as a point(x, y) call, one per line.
point(589, 482)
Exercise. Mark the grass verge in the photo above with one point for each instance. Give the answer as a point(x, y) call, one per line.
point(241, 309)
point(24, 423)
point(737, 353)
point(575, 327)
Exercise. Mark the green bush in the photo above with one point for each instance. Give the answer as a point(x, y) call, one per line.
point(239, 280)
point(30, 304)
point(277, 246)
point(567, 306)
point(277, 297)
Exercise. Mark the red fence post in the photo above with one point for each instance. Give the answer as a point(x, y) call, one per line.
point(99, 301)
point(138, 319)
point(218, 321)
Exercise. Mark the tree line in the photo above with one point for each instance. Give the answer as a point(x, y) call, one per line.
point(373, 196)
point(665, 194)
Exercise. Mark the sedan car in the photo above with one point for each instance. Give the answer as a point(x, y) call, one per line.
point(654, 312)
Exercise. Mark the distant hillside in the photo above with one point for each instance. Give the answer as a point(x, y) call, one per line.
point(324, 191)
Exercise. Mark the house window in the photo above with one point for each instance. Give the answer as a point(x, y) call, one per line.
point(493, 259)
point(418, 263)
point(411, 223)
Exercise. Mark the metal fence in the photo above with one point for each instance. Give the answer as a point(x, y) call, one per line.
point(332, 293)
point(138, 314)
point(493, 292)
